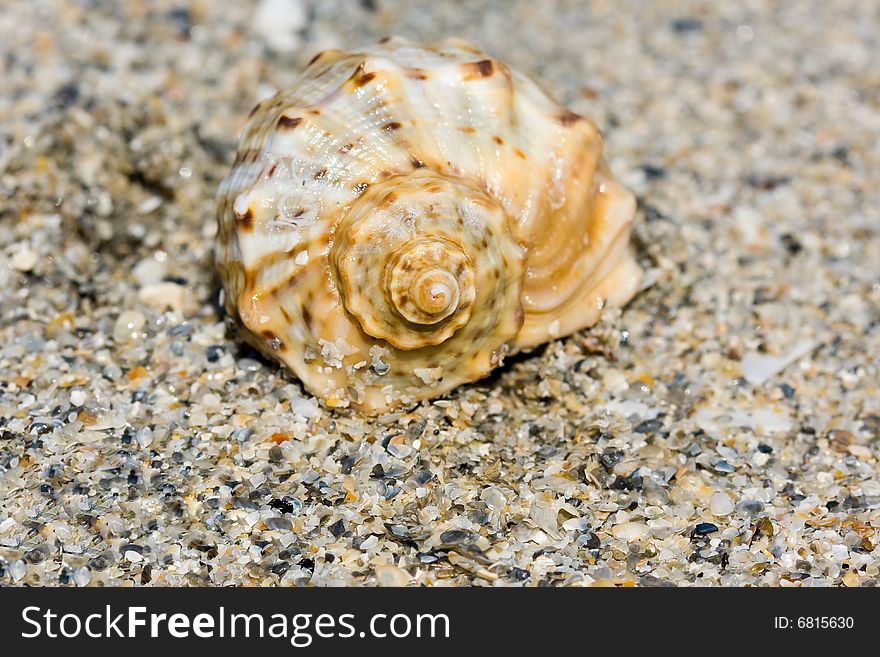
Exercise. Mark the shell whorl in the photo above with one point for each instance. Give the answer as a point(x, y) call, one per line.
point(405, 216)
point(421, 256)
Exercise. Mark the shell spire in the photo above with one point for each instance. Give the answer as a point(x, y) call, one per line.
point(405, 216)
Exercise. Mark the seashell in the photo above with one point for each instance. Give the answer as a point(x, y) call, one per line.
point(406, 216)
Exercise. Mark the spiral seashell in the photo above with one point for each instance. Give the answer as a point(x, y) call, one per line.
point(406, 216)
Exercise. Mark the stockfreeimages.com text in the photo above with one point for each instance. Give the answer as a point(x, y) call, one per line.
point(299, 629)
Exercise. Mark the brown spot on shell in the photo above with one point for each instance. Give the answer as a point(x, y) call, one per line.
point(469, 129)
point(316, 58)
point(417, 163)
point(307, 317)
point(272, 170)
point(320, 173)
point(477, 70)
point(519, 153)
point(416, 74)
point(361, 77)
point(569, 117)
point(498, 140)
point(385, 39)
point(388, 200)
point(285, 314)
point(245, 221)
point(254, 110)
point(289, 122)
point(360, 187)
point(294, 280)
point(347, 147)
point(390, 126)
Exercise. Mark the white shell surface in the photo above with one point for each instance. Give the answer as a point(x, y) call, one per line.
point(405, 216)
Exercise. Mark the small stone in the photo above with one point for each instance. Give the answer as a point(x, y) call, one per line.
point(24, 258)
point(630, 531)
point(391, 576)
point(704, 528)
point(723, 467)
point(18, 570)
point(77, 397)
point(589, 541)
point(278, 23)
point(851, 579)
point(428, 375)
point(128, 326)
point(249, 364)
point(82, 576)
point(149, 205)
point(145, 437)
point(279, 524)
point(415, 430)
point(840, 439)
point(166, 296)
point(454, 537)
point(687, 24)
point(611, 457)
point(750, 508)
point(287, 504)
point(721, 504)
point(149, 271)
point(649, 426)
point(214, 352)
point(399, 451)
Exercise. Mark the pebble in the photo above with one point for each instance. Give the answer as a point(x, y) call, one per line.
point(721, 504)
point(133, 556)
point(24, 258)
point(278, 21)
point(391, 576)
point(18, 570)
point(723, 467)
point(630, 531)
point(166, 296)
point(150, 271)
point(82, 576)
point(145, 437)
point(750, 508)
point(128, 326)
point(704, 528)
point(149, 205)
